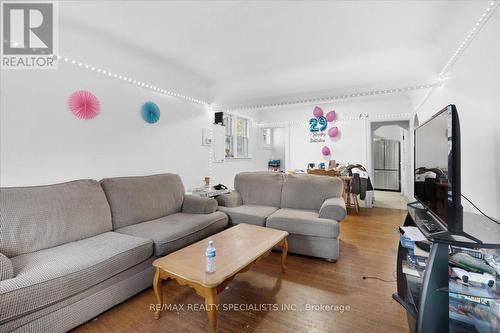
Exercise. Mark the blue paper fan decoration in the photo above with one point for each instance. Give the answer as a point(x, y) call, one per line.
point(150, 112)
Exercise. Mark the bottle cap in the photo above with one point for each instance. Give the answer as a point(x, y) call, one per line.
point(210, 242)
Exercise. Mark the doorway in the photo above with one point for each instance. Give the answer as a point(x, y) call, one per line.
point(274, 140)
point(390, 155)
point(278, 147)
point(390, 163)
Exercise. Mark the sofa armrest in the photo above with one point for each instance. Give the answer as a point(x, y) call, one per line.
point(6, 269)
point(198, 205)
point(333, 208)
point(232, 199)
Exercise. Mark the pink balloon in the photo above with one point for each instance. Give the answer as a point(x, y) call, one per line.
point(332, 132)
point(317, 112)
point(325, 151)
point(331, 116)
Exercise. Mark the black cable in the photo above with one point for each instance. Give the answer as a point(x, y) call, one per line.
point(383, 280)
point(489, 217)
point(377, 278)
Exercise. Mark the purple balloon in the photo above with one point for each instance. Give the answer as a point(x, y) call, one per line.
point(325, 151)
point(332, 132)
point(317, 112)
point(331, 116)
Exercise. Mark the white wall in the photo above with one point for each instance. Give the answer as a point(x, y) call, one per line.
point(474, 87)
point(42, 142)
point(352, 145)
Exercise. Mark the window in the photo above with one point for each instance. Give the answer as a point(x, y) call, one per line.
point(237, 136)
point(228, 147)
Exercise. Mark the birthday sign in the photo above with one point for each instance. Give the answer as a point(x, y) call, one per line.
point(318, 128)
point(317, 137)
point(318, 124)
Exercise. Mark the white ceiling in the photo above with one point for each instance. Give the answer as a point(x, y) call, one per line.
point(259, 50)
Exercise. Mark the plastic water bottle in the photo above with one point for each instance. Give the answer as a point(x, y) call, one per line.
point(210, 257)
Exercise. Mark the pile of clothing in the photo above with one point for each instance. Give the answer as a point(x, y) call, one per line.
point(360, 180)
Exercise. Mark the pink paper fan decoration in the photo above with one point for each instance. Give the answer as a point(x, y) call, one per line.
point(331, 116)
point(84, 104)
point(325, 151)
point(317, 112)
point(333, 132)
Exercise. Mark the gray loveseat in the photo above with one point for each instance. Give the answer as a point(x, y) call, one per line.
point(309, 207)
point(71, 251)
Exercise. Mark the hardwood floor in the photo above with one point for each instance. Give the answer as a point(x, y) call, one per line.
point(368, 245)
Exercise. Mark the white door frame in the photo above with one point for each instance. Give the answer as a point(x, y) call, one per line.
point(286, 140)
point(404, 159)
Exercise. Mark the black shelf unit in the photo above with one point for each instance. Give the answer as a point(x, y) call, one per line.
point(426, 297)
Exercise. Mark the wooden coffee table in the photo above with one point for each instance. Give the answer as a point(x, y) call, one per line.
point(238, 248)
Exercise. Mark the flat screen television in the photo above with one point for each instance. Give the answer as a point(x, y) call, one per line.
point(437, 168)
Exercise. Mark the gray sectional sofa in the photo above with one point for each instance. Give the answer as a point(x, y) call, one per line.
point(71, 251)
point(309, 207)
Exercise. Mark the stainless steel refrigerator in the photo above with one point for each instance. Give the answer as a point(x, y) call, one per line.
point(386, 161)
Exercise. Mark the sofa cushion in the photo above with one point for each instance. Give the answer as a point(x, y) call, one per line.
point(232, 199)
point(38, 217)
point(195, 204)
point(320, 247)
point(251, 214)
point(139, 199)
point(175, 231)
point(45, 277)
point(66, 314)
point(6, 269)
point(333, 208)
point(259, 188)
point(303, 222)
point(309, 191)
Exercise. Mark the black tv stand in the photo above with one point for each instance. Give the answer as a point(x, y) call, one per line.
point(426, 296)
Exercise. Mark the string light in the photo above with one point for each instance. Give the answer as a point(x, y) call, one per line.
point(442, 75)
point(130, 80)
point(336, 97)
point(461, 48)
point(211, 135)
point(441, 78)
point(361, 117)
point(470, 36)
